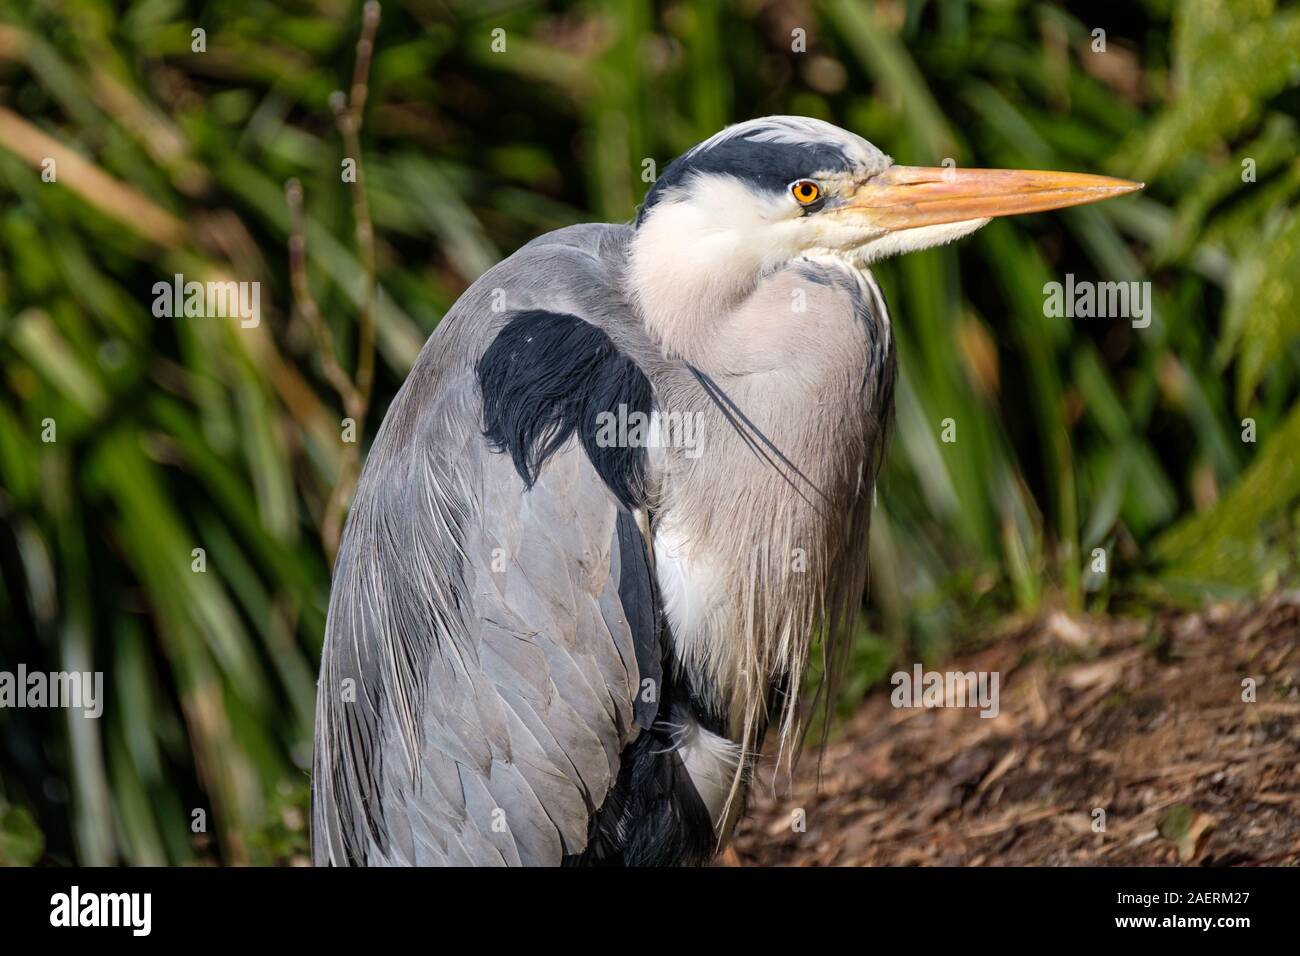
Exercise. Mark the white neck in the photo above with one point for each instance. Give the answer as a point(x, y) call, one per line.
point(692, 262)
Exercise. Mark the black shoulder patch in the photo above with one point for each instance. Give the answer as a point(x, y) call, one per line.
point(549, 374)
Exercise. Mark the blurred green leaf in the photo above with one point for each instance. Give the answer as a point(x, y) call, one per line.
point(21, 841)
point(1263, 313)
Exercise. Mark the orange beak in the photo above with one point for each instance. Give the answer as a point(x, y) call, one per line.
point(905, 197)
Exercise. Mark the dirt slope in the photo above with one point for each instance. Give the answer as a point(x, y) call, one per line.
point(1144, 720)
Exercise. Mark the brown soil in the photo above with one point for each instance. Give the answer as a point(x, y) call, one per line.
point(1142, 719)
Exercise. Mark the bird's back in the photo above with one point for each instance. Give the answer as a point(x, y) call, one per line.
point(481, 654)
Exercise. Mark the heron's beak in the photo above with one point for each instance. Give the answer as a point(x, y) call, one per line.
point(905, 197)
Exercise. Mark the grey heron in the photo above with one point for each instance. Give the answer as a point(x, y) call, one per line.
point(627, 481)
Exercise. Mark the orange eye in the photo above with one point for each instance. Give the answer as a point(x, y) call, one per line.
point(805, 191)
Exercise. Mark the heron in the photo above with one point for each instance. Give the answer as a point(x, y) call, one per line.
point(624, 490)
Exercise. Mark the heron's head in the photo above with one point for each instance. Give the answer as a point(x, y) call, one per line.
point(762, 193)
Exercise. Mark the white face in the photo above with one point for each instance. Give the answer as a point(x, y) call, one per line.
point(725, 218)
point(708, 242)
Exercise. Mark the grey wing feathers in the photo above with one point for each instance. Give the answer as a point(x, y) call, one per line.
point(485, 644)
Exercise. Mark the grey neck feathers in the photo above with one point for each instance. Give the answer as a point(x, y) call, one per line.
point(776, 504)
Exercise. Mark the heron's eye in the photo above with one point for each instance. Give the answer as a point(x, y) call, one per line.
point(805, 191)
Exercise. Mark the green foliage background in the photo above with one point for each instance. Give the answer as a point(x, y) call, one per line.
point(179, 434)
